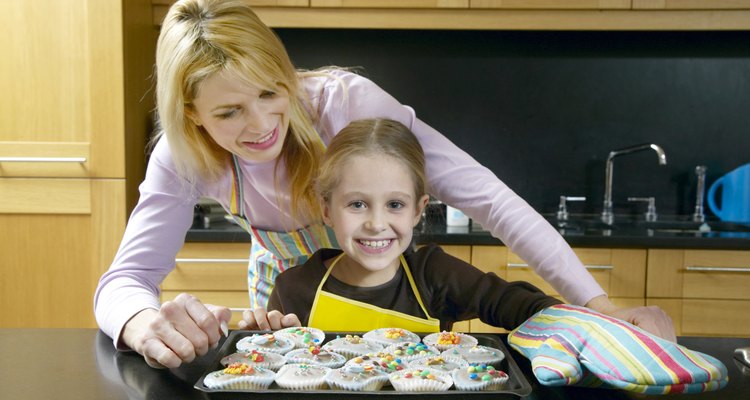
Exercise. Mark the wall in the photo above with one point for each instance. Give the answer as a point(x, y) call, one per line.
point(543, 109)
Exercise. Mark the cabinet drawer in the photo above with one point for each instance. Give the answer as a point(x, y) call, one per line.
point(620, 272)
point(32, 196)
point(209, 266)
point(699, 274)
point(237, 301)
point(694, 317)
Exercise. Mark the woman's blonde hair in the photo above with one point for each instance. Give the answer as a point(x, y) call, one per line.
point(371, 137)
point(200, 38)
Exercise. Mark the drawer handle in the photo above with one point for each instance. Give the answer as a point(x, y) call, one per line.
point(44, 159)
point(594, 267)
point(717, 269)
point(212, 260)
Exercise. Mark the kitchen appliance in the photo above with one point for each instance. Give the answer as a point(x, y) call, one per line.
point(735, 195)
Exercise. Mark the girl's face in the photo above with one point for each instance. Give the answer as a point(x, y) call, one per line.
point(245, 120)
point(373, 211)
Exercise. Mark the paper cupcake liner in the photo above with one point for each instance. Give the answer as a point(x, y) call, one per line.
point(287, 379)
point(415, 384)
point(368, 384)
point(462, 381)
point(241, 382)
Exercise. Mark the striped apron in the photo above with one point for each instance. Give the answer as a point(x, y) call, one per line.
point(271, 253)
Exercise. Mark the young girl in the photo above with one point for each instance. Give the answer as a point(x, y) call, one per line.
point(372, 189)
point(241, 126)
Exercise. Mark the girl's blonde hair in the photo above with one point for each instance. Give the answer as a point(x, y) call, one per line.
point(200, 38)
point(371, 137)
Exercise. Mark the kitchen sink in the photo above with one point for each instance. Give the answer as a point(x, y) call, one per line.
point(678, 225)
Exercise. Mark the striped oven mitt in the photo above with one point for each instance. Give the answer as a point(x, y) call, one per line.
point(562, 338)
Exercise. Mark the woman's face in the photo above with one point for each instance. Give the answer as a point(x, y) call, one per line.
point(246, 120)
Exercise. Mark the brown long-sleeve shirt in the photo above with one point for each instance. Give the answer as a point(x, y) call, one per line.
point(451, 289)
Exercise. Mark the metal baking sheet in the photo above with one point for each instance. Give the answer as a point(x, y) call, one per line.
point(517, 386)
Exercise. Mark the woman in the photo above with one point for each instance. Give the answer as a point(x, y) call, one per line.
point(240, 125)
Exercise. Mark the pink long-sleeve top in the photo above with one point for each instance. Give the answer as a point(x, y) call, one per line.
point(157, 227)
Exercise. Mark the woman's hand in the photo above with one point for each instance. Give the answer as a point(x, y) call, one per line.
point(649, 318)
point(259, 319)
point(178, 332)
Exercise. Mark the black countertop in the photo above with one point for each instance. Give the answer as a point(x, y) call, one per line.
point(83, 364)
point(588, 234)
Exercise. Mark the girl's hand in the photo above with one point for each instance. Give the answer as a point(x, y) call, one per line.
point(259, 319)
point(649, 318)
point(180, 331)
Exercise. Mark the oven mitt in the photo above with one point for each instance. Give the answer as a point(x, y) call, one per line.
point(572, 345)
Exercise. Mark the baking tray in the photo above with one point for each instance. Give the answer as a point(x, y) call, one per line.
point(517, 386)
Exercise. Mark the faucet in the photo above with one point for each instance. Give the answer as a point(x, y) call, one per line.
point(608, 216)
point(700, 172)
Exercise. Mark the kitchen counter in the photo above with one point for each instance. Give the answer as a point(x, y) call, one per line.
point(626, 236)
point(83, 364)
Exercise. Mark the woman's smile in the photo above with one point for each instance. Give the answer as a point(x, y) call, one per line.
point(264, 142)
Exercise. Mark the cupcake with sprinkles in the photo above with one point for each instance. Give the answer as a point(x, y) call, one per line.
point(315, 355)
point(356, 377)
point(389, 336)
point(255, 358)
point(302, 337)
point(266, 343)
point(479, 377)
point(420, 380)
point(441, 363)
point(240, 376)
point(302, 377)
point(351, 346)
point(411, 351)
point(478, 354)
point(385, 362)
point(446, 340)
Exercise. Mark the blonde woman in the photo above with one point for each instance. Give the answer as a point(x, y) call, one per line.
point(240, 125)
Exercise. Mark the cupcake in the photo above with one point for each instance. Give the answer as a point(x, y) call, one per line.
point(255, 358)
point(240, 376)
point(446, 340)
point(479, 377)
point(385, 362)
point(420, 380)
point(409, 351)
point(302, 336)
point(477, 354)
point(358, 378)
point(265, 342)
point(302, 377)
point(444, 364)
point(389, 336)
point(351, 346)
point(315, 356)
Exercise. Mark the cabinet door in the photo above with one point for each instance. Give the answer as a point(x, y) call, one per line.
point(391, 3)
point(620, 272)
point(216, 273)
point(690, 4)
point(52, 255)
point(61, 113)
point(552, 4)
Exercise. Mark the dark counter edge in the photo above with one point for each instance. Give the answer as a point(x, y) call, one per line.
point(466, 236)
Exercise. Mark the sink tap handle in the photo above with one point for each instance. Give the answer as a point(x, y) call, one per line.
point(562, 209)
point(651, 210)
point(700, 172)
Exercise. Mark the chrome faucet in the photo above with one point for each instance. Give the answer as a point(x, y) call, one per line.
point(608, 216)
point(698, 214)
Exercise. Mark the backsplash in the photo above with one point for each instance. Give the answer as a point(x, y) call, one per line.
point(543, 109)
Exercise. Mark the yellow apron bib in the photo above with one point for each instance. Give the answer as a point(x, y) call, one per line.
point(331, 312)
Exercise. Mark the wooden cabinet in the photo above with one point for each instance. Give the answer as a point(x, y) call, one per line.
point(499, 14)
point(621, 272)
point(63, 152)
point(216, 273)
point(705, 291)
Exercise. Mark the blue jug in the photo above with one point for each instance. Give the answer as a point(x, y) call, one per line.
point(735, 195)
